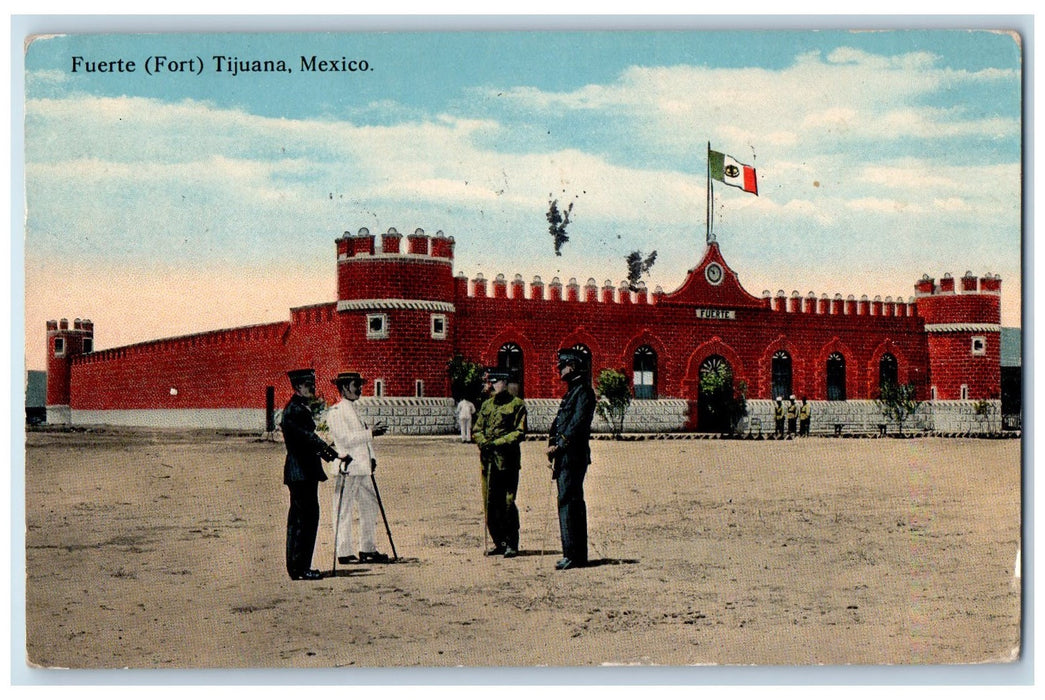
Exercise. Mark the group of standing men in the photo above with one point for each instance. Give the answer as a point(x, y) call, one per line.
point(500, 427)
point(798, 417)
point(353, 455)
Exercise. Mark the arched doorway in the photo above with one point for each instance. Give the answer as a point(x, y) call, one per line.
point(781, 374)
point(510, 358)
point(887, 371)
point(716, 392)
point(836, 377)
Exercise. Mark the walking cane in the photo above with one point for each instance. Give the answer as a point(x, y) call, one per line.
point(337, 520)
point(388, 530)
point(484, 478)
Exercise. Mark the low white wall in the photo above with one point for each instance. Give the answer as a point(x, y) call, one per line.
point(224, 418)
point(435, 416)
point(861, 417)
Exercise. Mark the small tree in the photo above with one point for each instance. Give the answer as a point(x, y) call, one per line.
point(898, 402)
point(466, 379)
point(614, 398)
point(725, 401)
point(986, 409)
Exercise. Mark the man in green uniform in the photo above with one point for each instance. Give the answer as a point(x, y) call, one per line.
point(805, 413)
point(499, 427)
point(792, 417)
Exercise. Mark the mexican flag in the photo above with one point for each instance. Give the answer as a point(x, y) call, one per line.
point(728, 170)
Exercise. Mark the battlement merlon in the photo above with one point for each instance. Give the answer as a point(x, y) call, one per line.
point(418, 244)
point(572, 292)
point(969, 300)
point(970, 284)
point(837, 305)
point(84, 326)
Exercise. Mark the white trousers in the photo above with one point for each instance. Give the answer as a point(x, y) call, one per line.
point(466, 428)
point(358, 492)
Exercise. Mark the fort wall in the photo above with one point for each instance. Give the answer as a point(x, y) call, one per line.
point(401, 315)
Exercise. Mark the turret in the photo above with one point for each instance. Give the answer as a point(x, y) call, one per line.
point(963, 325)
point(396, 303)
point(64, 342)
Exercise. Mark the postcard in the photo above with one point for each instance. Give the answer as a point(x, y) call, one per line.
point(522, 349)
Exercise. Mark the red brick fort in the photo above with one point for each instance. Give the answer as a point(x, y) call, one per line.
point(401, 315)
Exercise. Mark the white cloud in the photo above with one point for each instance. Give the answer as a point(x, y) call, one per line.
point(134, 179)
point(852, 95)
point(885, 206)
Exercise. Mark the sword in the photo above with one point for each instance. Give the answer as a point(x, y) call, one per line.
point(337, 520)
point(381, 506)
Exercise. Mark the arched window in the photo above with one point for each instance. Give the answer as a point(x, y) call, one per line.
point(781, 374)
point(836, 377)
point(586, 351)
point(510, 358)
point(887, 372)
point(644, 366)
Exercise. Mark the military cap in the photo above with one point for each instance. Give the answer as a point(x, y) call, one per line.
point(573, 356)
point(346, 377)
point(495, 374)
point(297, 376)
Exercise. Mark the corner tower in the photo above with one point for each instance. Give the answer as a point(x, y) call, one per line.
point(63, 344)
point(963, 327)
point(396, 310)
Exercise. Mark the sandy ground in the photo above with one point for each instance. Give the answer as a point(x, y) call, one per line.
point(150, 549)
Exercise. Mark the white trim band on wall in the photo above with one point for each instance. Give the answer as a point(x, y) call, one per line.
point(408, 257)
point(413, 304)
point(963, 328)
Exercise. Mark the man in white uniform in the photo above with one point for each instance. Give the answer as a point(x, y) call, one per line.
point(465, 411)
point(353, 486)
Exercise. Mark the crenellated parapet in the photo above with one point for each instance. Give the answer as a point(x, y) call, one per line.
point(417, 244)
point(969, 284)
point(479, 287)
point(971, 301)
point(837, 305)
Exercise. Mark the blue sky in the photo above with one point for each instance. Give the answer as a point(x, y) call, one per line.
point(176, 203)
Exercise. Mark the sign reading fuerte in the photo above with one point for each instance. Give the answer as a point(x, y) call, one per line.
point(726, 314)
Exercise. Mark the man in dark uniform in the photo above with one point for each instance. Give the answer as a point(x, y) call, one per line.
point(499, 428)
point(302, 473)
point(570, 455)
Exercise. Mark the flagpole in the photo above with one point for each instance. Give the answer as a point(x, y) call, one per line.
point(708, 203)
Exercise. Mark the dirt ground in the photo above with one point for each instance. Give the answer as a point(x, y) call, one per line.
point(153, 549)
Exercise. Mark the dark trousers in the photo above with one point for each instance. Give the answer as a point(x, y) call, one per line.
point(779, 425)
point(573, 513)
point(803, 426)
point(502, 515)
point(792, 425)
point(302, 523)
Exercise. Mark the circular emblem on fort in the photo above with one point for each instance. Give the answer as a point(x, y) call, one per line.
point(713, 273)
